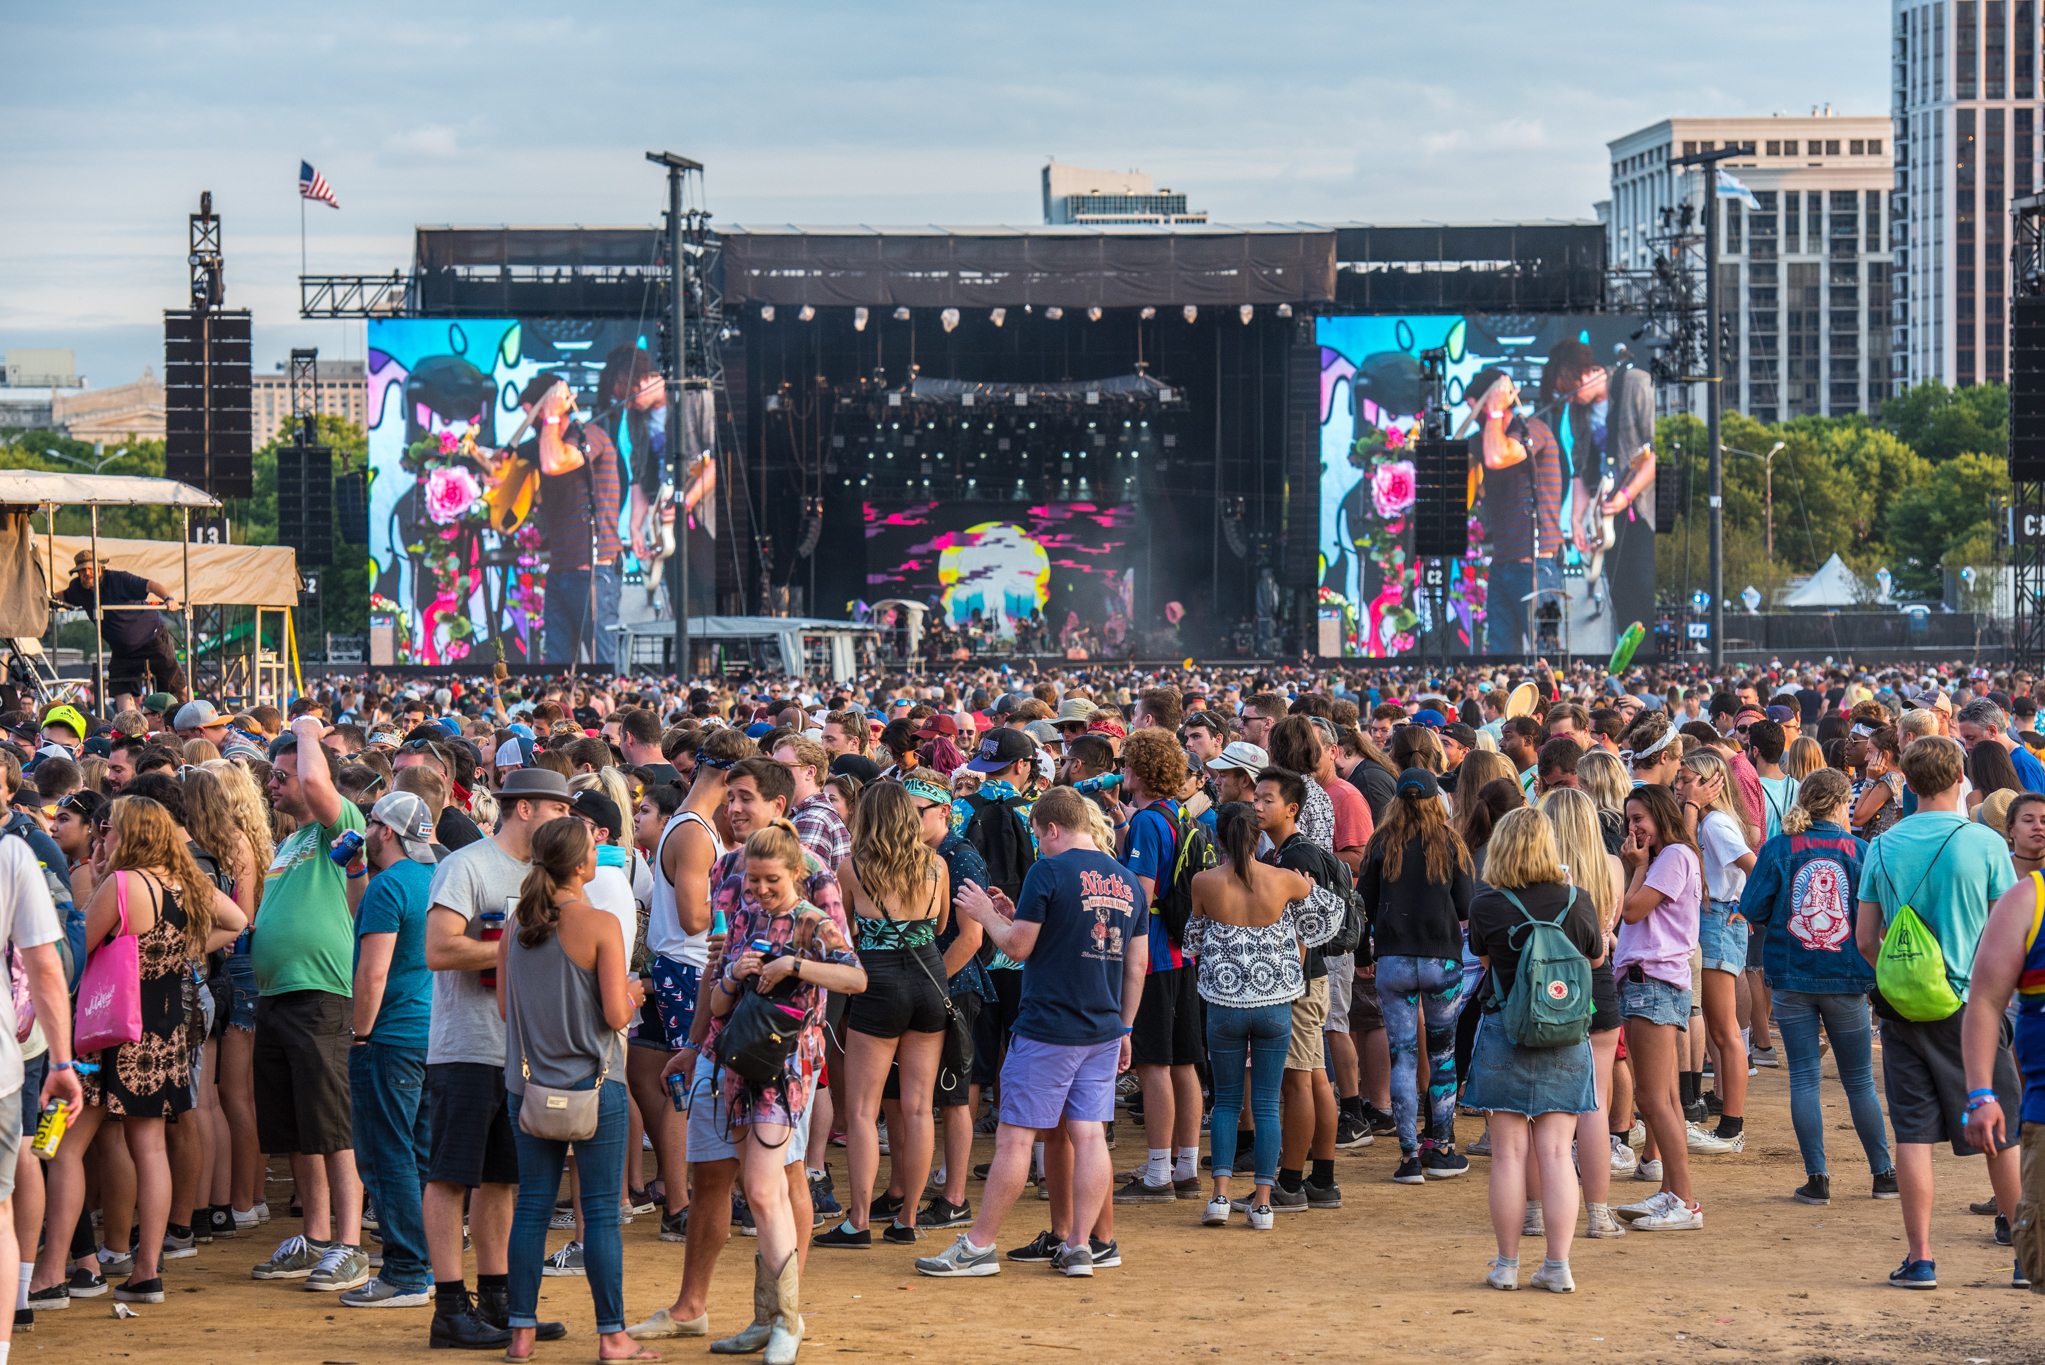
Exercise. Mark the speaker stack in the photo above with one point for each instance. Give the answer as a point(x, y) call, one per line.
point(2027, 389)
point(1441, 521)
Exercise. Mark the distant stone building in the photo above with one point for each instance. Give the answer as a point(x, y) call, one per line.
point(115, 414)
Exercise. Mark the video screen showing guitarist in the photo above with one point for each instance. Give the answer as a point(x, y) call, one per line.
point(578, 508)
point(1522, 500)
point(638, 411)
point(1610, 422)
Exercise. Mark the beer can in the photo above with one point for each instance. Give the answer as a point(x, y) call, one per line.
point(50, 1130)
point(346, 847)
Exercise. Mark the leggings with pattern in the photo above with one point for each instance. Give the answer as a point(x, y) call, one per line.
point(1414, 992)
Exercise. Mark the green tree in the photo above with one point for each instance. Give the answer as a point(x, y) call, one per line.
point(345, 583)
point(1940, 423)
point(1952, 512)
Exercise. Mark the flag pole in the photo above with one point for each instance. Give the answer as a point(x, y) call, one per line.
point(301, 234)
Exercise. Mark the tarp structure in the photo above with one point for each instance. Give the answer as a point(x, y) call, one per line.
point(1833, 585)
point(786, 632)
point(43, 488)
point(24, 604)
point(222, 575)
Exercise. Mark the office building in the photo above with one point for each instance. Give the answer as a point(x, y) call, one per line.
point(1074, 194)
point(342, 391)
point(30, 382)
point(1803, 279)
point(1965, 104)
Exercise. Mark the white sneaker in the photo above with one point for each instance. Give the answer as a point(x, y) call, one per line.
point(1603, 1224)
point(1554, 1281)
point(1503, 1276)
point(1534, 1225)
point(1673, 1216)
point(1216, 1214)
point(1624, 1161)
point(245, 1219)
point(1636, 1136)
point(1650, 1205)
point(1650, 1171)
point(1711, 1144)
point(1261, 1218)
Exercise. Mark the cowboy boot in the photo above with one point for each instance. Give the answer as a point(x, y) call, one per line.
point(787, 1299)
point(754, 1335)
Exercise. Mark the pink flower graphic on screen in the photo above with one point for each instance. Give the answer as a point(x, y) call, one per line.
point(449, 492)
point(1391, 487)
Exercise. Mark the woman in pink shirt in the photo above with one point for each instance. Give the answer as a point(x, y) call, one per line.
point(1657, 933)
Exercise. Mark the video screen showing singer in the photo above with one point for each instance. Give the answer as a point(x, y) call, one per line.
point(578, 507)
point(1610, 420)
point(1519, 463)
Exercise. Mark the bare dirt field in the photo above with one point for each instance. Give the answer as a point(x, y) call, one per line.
point(1396, 1274)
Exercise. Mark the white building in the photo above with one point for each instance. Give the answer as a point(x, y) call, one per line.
point(1074, 194)
point(342, 391)
point(1807, 274)
point(1965, 103)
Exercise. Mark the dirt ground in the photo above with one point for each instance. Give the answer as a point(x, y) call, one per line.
point(1384, 1278)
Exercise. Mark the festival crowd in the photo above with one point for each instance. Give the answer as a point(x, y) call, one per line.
point(431, 946)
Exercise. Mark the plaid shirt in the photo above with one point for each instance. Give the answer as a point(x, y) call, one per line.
point(822, 831)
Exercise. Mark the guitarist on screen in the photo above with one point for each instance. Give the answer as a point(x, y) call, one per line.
point(1610, 419)
point(1522, 483)
point(578, 478)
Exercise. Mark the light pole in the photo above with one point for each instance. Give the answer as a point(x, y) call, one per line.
point(678, 361)
point(95, 465)
point(1767, 492)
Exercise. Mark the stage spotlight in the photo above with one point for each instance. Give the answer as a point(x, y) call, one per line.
point(949, 317)
point(1246, 312)
point(1189, 312)
point(1093, 314)
point(901, 315)
point(859, 319)
point(807, 313)
point(1054, 313)
point(999, 316)
point(1148, 313)
point(766, 312)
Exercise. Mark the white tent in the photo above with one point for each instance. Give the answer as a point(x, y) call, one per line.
point(1833, 586)
point(44, 488)
point(790, 635)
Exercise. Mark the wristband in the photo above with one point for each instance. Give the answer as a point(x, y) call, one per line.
point(61, 1066)
point(1981, 1103)
point(1128, 1029)
point(352, 876)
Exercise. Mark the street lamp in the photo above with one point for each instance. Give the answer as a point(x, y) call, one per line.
point(95, 465)
point(1768, 491)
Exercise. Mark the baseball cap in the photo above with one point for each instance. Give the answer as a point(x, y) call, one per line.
point(1432, 719)
point(389, 738)
point(195, 715)
point(1419, 784)
point(1460, 733)
point(1242, 756)
point(1781, 714)
point(600, 809)
point(66, 715)
point(857, 766)
point(405, 815)
point(1044, 732)
point(1002, 748)
point(159, 702)
point(937, 726)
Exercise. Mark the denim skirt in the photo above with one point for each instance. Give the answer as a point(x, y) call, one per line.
point(1510, 1079)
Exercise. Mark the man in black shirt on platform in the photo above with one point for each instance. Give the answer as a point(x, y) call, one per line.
point(138, 640)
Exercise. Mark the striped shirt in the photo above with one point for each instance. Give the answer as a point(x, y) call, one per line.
point(565, 503)
point(1506, 492)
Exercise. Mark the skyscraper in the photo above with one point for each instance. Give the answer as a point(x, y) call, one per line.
point(1965, 104)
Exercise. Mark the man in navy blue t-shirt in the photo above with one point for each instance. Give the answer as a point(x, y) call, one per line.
point(1075, 927)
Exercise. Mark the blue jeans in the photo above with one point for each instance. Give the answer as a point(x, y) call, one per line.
point(600, 1176)
point(1417, 992)
point(1265, 1034)
point(1507, 616)
point(567, 614)
point(1846, 1021)
point(386, 1090)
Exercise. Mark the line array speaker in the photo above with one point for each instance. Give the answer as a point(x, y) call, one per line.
point(1441, 523)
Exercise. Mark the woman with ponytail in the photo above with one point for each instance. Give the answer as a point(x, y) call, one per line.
point(1802, 898)
point(564, 995)
point(1244, 934)
point(1416, 888)
point(1711, 812)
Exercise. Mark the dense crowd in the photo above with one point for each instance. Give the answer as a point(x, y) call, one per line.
point(435, 944)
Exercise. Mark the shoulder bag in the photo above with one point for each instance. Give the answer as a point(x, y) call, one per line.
point(549, 1112)
point(957, 1061)
point(110, 991)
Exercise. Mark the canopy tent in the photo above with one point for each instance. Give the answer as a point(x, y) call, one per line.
point(221, 575)
point(1832, 586)
point(787, 633)
point(43, 488)
point(912, 617)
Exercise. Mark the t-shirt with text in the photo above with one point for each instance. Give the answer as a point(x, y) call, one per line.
point(1087, 905)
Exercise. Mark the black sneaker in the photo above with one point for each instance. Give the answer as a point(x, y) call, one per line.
point(674, 1227)
point(1328, 1196)
point(1381, 1124)
point(1443, 1163)
point(464, 1329)
point(1288, 1201)
point(1141, 1191)
point(1107, 1255)
point(1352, 1131)
point(2002, 1238)
point(885, 1205)
point(942, 1213)
point(1189, 1188)
point(1695, 1111)
point(1041, 1250)
point(845, 1238)
point(24, 1320)
point(898, 1235)
point(1886, 1188)
point(85, 1284)
point(1816, 1190)
point(220, 1221)
point(140, 1291)
point(1409, 1172)
point(1712, 1103)
point(54, 1299)
point(980, 1171)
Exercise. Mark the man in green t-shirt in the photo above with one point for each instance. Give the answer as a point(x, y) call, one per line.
point(303, 953)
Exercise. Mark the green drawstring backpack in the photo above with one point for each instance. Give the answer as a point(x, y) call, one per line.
point(1910, 970)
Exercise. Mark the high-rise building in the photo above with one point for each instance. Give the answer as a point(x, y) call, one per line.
point(1074, 194)
point(1803, 279)
point(342, 391)
point(1965, 104)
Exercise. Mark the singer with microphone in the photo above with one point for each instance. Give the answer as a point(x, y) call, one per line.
point(578, 520)
point(1522, 501)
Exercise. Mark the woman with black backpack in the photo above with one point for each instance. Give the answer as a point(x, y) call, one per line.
point(1416, 890)
point(1547, 1087)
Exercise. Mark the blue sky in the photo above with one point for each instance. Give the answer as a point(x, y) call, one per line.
point(117, 115)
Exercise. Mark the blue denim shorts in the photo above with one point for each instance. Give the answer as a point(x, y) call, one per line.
point(1722, 937)
point(711, 1128)
point(1654, 1000)
point(241, 979)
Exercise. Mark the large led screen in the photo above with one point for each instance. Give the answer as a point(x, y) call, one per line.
point(1056, 577)
point(1554, 567)
point(476, 543)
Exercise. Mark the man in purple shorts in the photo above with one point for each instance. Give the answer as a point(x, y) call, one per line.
point(1077, 929)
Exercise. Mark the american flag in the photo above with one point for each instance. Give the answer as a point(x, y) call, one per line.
point(313, 185)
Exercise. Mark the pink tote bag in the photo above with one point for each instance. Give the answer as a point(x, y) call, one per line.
point(110, 991)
